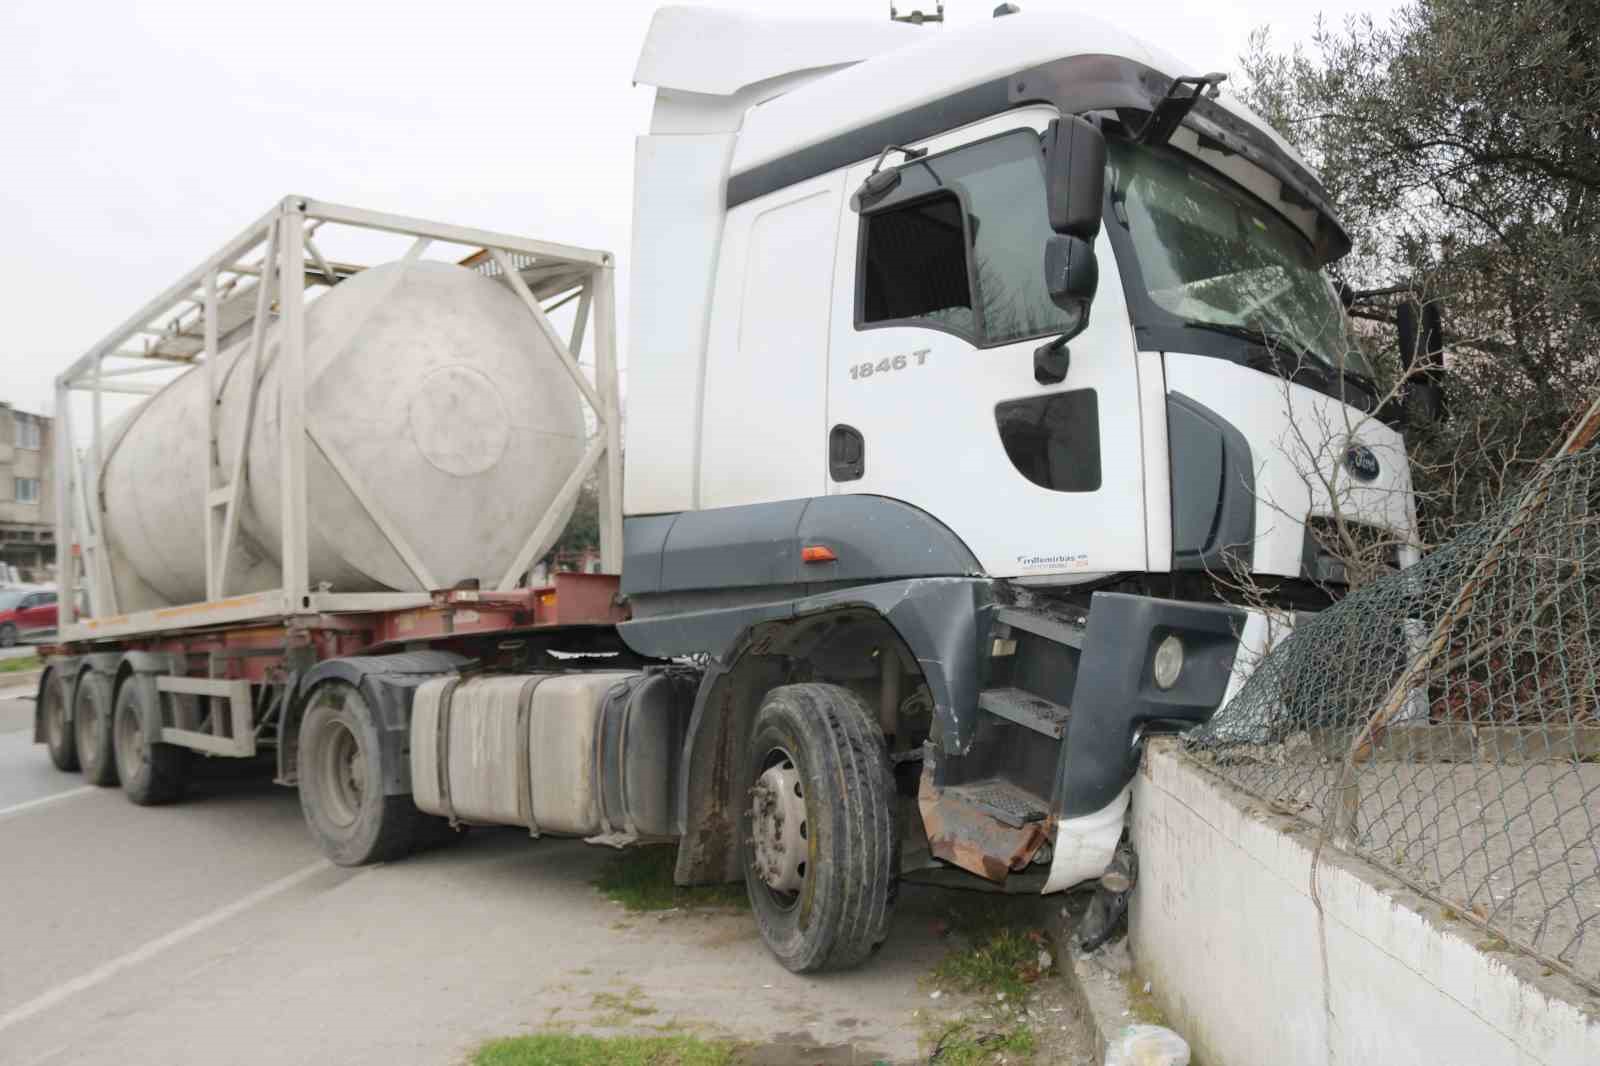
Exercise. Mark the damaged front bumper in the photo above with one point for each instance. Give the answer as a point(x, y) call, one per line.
point(1065, 701)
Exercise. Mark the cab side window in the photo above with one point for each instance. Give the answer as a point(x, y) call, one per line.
point(958, 245)
point(915, 264)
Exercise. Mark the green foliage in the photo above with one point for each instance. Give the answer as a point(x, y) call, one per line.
point(996, 958)
point(1459, 142)
point(1004, 961)
point(964, 1044)
point(583, 529)
point(641, 880)
point(17, 666)
point(563, 1049)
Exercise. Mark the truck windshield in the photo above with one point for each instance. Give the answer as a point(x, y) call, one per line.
point(1214, 256)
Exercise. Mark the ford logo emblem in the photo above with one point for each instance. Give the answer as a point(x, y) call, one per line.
point(1362, 464)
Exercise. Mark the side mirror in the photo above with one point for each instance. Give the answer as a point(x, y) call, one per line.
point(1420, 333)
point(1075, 176)
point(1071, 273)
point(1424, 400)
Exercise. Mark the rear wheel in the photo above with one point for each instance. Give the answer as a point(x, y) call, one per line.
point(341, 782)
point(58, 732)
point(151, 772)
point(818, 834)
point(91, 723)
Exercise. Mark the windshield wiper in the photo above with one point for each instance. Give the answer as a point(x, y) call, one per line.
point(1279, 345)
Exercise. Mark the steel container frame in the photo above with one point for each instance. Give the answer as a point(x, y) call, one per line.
point(182, 326)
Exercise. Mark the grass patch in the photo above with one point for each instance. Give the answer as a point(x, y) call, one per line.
point(965, 1044)
point(562, 1049)
point(1000, 952)
point(621, 1010)
point(1004, 963)
point(641, 880)
point(17, 666)
point(996, 957)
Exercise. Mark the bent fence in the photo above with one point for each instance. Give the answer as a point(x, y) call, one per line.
point(1442, 722)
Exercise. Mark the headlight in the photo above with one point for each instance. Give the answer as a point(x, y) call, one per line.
point(1169, 662)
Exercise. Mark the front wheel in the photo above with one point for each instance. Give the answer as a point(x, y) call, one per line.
point(818, 839)
point(341, 781)
point(8, 635)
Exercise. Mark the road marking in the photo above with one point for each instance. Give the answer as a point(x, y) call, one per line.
point(150, 950)
point(18, 808)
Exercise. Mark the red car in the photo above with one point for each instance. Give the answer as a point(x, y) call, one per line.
point(26, 612)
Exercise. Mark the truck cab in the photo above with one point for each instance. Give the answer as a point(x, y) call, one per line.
point(979, 372)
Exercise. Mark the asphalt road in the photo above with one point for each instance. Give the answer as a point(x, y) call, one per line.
point(212, 931)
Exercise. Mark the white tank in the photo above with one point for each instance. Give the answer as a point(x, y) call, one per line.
point(439, 393)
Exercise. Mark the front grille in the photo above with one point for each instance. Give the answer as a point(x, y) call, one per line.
point(1344, 552)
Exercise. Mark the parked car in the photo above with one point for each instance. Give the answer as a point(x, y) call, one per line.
point(26, 612)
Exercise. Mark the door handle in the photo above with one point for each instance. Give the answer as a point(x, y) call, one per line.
point(847, 453)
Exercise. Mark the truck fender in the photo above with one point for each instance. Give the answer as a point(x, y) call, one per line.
point(387, 683)
point(941, 621)
point(142, 668)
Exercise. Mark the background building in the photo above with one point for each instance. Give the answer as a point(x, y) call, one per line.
point(27, 493)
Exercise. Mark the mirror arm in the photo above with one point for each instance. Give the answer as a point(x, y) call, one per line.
point(1051, 361)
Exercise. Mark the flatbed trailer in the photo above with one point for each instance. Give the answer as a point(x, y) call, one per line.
point(230, 675)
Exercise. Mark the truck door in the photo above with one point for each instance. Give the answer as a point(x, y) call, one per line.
point(939, 306)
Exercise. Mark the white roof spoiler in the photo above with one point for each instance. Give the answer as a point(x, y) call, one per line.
point(719, 52)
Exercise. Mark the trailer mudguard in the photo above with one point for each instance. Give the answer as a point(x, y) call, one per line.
point(387, 683)
point(142, 667)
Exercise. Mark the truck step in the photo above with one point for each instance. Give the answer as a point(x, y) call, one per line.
point(1058, 626)
point(1026, 709)
point(1002, 800)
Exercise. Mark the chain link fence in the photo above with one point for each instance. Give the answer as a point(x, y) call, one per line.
point(1442, 722)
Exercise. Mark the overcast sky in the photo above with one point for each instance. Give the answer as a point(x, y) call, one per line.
point(138, 136)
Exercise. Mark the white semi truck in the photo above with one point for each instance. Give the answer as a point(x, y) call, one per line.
point(962, 368)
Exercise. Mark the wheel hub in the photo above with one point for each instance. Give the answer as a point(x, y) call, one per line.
point(778, 823)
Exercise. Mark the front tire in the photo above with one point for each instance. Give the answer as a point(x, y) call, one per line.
point(59, 735)
point(152, 772)
point(8, 635)
point(823, 890)
point(341, 782)
point(91, 723)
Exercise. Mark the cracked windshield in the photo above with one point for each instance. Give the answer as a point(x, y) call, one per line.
point(1214, 256)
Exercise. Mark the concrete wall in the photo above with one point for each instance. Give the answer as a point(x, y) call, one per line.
point(1225, 927)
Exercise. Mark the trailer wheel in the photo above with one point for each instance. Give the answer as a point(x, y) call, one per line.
point(341, 781)
point(151, 772)
point(59, 735)
point(818, 834)
point(91, 723)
